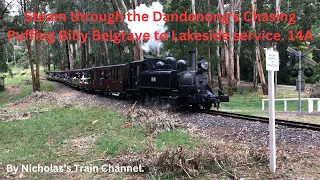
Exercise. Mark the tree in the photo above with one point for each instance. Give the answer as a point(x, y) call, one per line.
point(35, 77)
point(225, 49)
point(238, 49)
point(258, 63)
point(3, 59)
point(234, 4)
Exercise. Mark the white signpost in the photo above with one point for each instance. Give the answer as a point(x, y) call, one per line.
point(272, 64)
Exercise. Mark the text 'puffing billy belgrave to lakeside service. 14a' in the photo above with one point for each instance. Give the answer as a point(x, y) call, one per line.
point(107, 168)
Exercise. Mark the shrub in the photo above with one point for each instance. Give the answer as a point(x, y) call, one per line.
point(315, 90)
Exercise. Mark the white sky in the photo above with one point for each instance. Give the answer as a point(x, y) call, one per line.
point(14, 7)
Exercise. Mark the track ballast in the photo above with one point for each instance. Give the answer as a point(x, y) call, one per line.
point(293, 124)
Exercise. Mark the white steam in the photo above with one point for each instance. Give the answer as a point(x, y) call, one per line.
point(149, 26)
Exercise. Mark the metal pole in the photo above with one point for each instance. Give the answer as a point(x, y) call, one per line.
point(272, 131)
point(299, 83)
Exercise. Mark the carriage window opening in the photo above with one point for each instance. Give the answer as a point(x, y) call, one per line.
point(134, 71)
point(95, 74)
point(117, 73)
point(120, 74)
point(112, 74)
point(138, 70)
point(108, 73)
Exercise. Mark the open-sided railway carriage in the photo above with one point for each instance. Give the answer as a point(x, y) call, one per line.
point(167, 79)
point(112, 79)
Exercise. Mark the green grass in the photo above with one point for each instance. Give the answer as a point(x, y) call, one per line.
point(47, 86)
point(247, 100)
point(23, 91)
point(26, 141)
point(3, 93)
point(20, 75)
point(170, 139)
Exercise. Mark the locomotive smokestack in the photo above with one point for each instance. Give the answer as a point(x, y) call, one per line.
point(192, 59)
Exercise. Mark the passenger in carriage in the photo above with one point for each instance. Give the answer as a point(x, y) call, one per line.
point(101, 78)
point(66, 76)
point(87, 79)
point(82, 78)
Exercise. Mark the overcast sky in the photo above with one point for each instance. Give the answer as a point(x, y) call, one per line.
point(14, 6)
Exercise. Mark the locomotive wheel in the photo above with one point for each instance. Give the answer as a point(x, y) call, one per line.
point(207, 106)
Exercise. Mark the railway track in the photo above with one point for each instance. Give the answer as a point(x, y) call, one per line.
point(293, 124)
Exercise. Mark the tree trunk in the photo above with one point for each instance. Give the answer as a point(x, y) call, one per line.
point(230, 69)
point(238, 51)
point(258, 57)
point(225, 43)
point(278, 2)
point(37, 78)
point(67, 54)
point(135, 3)
point(222, 63)
point(137, 51)
point(115, 3)
point(219, 60)
point(71, 58)
point(124, 6)
point(31, 63)
point(264, 85)
point(87, 49)
point(49, 58)
point(106, 47)
point(75, 49)
point(193, 7)
point(255, 75)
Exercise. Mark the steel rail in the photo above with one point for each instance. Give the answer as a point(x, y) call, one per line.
point(293, 124)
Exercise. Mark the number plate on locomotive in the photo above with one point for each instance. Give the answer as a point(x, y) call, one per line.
point(153, 79)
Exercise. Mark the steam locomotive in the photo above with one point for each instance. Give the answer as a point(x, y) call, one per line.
point(167, 80)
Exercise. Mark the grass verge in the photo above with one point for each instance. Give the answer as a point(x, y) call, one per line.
point(49, 137)
point(20, 91)
point(249, 102)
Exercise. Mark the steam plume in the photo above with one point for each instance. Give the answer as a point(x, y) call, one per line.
point(149, 26)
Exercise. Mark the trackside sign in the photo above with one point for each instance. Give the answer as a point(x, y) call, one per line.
point(272, 61)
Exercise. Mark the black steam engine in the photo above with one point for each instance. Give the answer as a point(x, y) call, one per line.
point(151, 78)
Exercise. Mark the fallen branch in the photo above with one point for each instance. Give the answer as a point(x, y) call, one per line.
point(232, 175)
point(130, 109)
point(240, 133)
point(114, 105)
point(180, 165)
